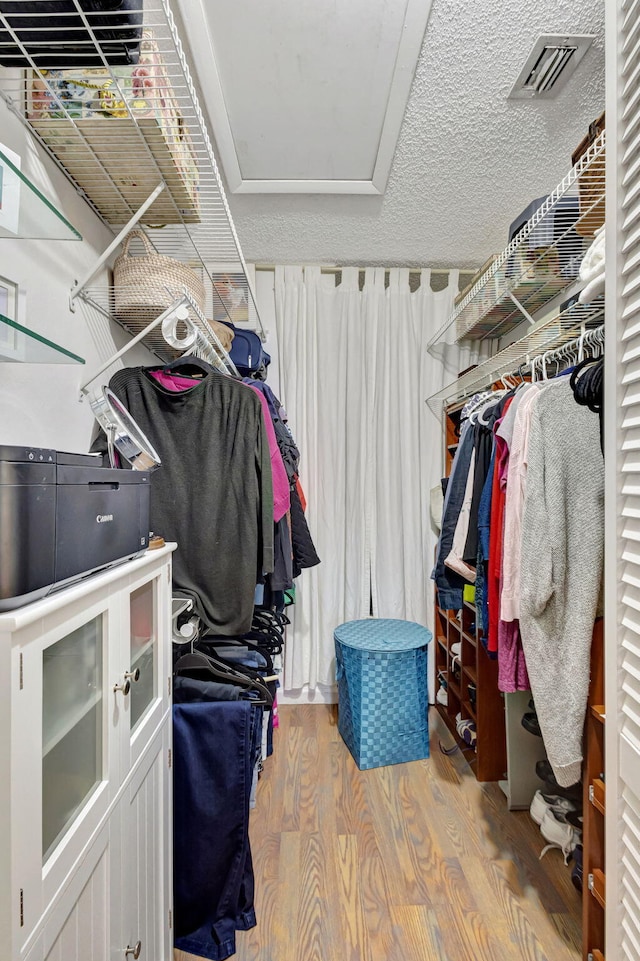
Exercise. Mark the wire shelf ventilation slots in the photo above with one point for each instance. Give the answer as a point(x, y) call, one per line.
point(111, 98)
point(552, 333)
point(541, 261)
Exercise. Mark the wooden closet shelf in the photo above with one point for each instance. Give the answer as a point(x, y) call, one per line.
point(453, 688)
point(469, 638)
point(596, 884)
point(471, 711)
point(598, 712)
point(469, 606)
point(471, 673)
point(597, 795)
point(454, 622)
point(596, 955)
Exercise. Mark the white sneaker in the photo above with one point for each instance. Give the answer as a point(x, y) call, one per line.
point(542, 803)
point(441, 696)
point(456, 648)
point(559, 834)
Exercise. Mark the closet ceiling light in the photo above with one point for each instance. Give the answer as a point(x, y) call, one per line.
point(549, 65)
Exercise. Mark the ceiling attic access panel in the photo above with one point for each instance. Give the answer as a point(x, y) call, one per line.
point(302, 101)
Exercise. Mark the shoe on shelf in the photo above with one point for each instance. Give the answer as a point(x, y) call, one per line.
point(559, 834)
point(576, 870)
point(573, 793)
point(466, 730)
point(442, 679)
point(442, 697)
point(544, 769)
point(542, 803)
point(574, 818)
point(530, 724)
point(456, 648)
point(471, 688)
point(545, 773)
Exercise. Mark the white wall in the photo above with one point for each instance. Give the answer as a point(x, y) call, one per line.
point(39, 404)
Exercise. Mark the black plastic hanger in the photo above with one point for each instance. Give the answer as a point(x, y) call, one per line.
point(188, 363)
point(197, 661)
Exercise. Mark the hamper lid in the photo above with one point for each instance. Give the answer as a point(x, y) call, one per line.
point(382, 634)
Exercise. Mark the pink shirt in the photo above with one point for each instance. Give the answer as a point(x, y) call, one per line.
point(281, 492)
point(514, 505)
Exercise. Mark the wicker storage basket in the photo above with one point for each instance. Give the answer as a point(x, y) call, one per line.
point(147, 284)
point(383, 703)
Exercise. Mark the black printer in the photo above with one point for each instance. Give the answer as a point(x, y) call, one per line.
point(64, 516)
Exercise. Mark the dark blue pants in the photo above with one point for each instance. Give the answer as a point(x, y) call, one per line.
point(215, 750)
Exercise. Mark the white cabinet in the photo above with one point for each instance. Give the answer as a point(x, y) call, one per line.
point(84, 769)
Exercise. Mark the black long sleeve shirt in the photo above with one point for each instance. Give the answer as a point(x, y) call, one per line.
point(213, 492)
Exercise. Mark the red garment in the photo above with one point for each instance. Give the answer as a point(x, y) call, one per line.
point(496, 532)
point(303, 499)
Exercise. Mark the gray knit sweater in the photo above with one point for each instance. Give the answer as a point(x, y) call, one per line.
point(561, 568)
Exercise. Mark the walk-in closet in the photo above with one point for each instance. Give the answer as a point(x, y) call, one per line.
point(319, 480)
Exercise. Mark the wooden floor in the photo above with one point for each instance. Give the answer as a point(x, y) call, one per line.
point(415, 862)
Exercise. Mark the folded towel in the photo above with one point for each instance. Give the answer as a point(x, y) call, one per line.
point(593, 261)
point(593, 289)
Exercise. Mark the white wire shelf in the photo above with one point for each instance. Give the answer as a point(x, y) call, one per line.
point(131, 308)
point(550, 333)
point(541, 261)
point(118, 131)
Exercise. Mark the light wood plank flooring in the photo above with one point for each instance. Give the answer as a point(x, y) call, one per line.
point(415, 862)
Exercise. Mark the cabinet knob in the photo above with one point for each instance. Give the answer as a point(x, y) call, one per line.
point(134, 675)
point(134, 951)
point(125, 688)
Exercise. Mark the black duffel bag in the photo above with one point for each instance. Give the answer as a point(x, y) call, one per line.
point(53, 34)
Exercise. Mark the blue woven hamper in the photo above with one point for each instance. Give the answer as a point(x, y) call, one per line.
point(383, 704)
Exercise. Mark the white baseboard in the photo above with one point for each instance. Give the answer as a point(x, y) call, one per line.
point(323, 694)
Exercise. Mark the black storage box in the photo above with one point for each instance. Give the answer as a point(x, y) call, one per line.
point(53, 33)
point(62, 517)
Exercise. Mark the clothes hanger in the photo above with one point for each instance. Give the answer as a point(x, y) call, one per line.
point(243, 643)
point(198, 661)
point(188, 363)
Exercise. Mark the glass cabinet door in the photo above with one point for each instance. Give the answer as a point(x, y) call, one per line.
point(144, 644)
point(72, 728)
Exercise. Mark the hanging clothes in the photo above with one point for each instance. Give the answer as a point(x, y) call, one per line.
point(561, 568)
point(215, 750)
point(213, 493)
point(449, 583)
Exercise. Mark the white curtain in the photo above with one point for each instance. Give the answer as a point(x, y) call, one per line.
point(354, 375)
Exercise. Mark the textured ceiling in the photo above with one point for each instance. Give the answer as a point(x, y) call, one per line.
point(468, 160)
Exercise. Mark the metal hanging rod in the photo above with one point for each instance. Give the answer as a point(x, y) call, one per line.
point(548, 334)
point(587, 340)
point(334, 269)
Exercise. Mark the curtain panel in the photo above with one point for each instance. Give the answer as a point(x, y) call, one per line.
point(354, 374)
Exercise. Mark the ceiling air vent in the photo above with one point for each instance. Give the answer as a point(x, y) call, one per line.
point(549, 66)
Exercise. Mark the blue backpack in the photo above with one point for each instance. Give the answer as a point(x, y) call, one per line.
point(247, 352)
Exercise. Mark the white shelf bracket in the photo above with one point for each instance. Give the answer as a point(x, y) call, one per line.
point(79, 285)
point(522, 310)
point(179, 308)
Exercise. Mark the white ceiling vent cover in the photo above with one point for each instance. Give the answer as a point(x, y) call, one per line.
point(549, 66)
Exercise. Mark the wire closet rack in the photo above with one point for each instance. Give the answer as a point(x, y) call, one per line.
point(540, 262)
point(117, 109)
point(549, 334)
